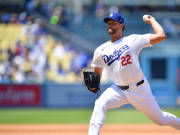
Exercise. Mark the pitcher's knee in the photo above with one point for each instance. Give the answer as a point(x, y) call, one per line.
point(101, 105)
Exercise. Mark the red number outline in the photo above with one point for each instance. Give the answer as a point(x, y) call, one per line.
point(125, 60)
point(128, 57)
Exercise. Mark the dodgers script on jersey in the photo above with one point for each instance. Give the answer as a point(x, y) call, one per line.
point(121, 58)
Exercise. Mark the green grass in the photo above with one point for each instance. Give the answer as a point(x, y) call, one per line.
point(131, 116)
point(68, 116)
point(44, 116)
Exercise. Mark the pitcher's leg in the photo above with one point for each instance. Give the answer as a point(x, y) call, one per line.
point(152, 110)
point(145, 102)
point(111, 98)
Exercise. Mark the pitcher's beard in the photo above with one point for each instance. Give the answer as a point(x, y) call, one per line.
point(112, 31)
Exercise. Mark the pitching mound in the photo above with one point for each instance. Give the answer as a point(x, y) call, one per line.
point(82, 129)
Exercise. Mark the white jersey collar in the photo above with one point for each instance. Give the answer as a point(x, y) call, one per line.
point(117, 41)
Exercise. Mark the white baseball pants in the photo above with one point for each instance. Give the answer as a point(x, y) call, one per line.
point(140, 97)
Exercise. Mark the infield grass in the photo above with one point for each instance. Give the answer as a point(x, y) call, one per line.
point(70, 116)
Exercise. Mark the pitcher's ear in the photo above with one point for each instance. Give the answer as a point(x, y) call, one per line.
point(123, 26)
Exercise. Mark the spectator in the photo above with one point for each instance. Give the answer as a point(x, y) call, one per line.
point(34, 56)
point(99, 9)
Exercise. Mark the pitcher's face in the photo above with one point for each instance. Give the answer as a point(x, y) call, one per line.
point(113, 27)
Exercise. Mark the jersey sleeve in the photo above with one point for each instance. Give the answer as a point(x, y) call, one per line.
point(142, 41)
point(97, 60)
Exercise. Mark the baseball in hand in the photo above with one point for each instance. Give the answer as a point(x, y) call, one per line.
point(145, 17)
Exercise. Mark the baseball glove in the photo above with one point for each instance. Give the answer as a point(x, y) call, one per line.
point(92, 81)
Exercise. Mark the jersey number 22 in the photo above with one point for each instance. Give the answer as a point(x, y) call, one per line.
point(125, 60)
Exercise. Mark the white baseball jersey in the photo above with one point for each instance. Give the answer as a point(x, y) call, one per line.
point(121, 58)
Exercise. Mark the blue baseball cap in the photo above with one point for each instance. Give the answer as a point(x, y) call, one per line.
point(114, 16)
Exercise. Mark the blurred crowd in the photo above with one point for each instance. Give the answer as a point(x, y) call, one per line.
point(64, 15)
point(28, 54)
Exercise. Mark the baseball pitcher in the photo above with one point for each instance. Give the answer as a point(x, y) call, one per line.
point(120, 57)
